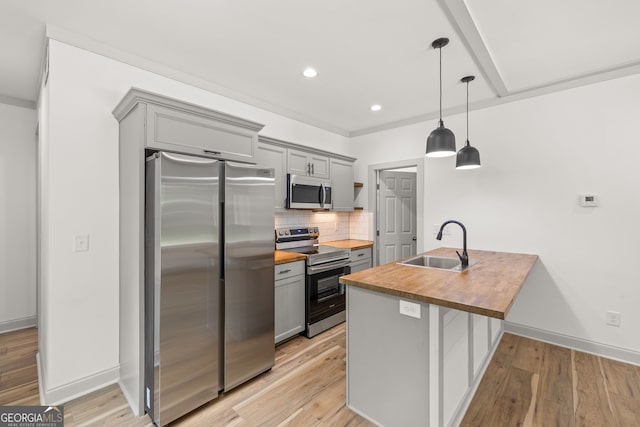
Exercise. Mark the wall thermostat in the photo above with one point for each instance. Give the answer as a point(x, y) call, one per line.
point(588, 200)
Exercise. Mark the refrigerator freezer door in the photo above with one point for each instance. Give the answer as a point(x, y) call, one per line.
point(183, 230)
point(249, 200)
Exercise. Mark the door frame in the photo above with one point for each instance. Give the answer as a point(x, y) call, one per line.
point(373, 200)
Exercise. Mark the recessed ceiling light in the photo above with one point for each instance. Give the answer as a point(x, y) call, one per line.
point(309, 72)
point(375, 107)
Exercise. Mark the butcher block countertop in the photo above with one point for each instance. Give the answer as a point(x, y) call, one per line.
point(352, 244)
point(488, 288)
point(283, 257)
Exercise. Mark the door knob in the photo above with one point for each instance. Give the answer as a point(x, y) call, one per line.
point(414, 238)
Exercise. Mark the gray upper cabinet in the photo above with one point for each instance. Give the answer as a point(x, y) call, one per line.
point(342, 184)
point(287, 157)
point(274, 156)
point(173, 125)
point(301, 162)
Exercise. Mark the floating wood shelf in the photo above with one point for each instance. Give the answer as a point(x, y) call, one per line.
point(358, 209)
point(358, 185)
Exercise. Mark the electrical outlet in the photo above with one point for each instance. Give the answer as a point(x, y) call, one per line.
point(81, 243)
point(410, 309)
point(613, 318)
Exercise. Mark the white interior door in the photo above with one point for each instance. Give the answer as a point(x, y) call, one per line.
point(397, 216)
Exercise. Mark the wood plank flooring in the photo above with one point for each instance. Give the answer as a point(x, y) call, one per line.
point(18, 370)
point(528, 383)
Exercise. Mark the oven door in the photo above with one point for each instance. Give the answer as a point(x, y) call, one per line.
point(325, 295)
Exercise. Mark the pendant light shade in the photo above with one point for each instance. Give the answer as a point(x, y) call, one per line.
point(441, 142)
point(468, 157)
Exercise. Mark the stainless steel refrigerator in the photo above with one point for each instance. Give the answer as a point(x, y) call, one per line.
point(209, 284)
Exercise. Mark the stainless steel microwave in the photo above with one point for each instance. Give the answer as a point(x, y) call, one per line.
point(308, 193)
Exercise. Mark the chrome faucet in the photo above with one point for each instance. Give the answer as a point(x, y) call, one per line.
point(464, 258)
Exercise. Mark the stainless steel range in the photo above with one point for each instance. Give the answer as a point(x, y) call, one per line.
point(325, 296)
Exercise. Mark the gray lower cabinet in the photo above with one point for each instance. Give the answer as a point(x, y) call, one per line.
point(289, 300)
point(360, 260)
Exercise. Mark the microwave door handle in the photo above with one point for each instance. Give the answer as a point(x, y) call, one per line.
point(323, 195)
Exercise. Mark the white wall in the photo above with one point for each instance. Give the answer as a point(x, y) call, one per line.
point(17, 217)
point(82, 324)
point(537, 156)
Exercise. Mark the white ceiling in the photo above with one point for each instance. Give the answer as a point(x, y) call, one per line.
point(365, 51)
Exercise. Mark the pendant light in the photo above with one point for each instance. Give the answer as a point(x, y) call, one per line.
point(441, 141)
point(468, 157)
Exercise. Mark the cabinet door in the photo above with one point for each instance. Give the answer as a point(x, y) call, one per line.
point(289, 307)
point(360, 265)
point(342, 185)
point(298, 162)
point(360, 254)
point(273, 156)
point(173, 130)
point(320, 166)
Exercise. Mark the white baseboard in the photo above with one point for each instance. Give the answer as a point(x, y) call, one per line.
point(16, 324)
point(586, 346)
point(64, 393)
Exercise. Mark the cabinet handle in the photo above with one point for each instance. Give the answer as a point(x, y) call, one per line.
point(308, 168)
point(215, 153)
point(285, 271)
point(360, 254)
point(313, 169)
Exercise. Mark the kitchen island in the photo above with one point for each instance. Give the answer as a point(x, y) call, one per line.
point(419, 339)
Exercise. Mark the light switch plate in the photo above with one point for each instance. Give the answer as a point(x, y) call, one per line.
point(81, 243)
point(410, 309)
point(613, 318)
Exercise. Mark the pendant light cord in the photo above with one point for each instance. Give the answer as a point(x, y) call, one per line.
point(467, 113)
point(440, 84)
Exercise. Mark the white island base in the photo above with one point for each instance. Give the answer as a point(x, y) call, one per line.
point(407, 371)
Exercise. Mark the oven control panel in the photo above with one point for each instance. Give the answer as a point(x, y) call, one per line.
point(297, 233)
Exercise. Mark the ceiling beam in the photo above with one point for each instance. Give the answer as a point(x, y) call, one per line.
point(462, 21)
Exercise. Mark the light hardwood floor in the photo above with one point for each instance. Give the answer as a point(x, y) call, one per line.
point(528, 383)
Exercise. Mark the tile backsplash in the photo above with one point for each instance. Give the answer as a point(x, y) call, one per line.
point(360, 225)
point(331, 225)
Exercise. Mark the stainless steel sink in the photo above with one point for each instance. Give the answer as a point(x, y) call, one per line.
point(437, 262)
